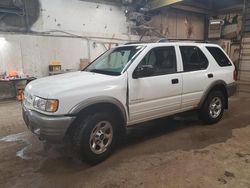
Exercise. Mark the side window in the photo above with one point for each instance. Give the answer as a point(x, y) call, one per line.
point(162, 59)
point(219, 56)
point(193, 58)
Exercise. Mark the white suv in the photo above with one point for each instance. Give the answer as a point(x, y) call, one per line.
point(127, 85)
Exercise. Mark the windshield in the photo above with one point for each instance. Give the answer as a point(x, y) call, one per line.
point(113, 61)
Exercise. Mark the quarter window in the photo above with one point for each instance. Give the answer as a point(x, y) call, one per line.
point(193, 58)
point(219, 56)
point(162, 59)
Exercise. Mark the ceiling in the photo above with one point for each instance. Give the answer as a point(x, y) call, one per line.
point(219, 4)
point(216, 5)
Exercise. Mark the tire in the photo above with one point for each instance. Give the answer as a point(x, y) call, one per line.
point(213, 108)
point(95, 137)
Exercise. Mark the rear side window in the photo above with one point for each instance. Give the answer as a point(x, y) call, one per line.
point(219, 56)
point(193, 58)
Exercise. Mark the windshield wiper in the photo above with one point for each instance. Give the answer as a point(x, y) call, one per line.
point(104, 72)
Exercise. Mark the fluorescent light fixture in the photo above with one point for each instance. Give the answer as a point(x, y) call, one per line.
point(216, 22)
point(2, 42)
point(212, 23)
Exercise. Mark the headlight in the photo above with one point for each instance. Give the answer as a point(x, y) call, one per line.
point(48, 105)
point(40, 103)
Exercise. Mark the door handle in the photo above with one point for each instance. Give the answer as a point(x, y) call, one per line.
point(175, 81)
point(210, 75)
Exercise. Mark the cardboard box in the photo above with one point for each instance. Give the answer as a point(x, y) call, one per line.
point(55, 67)
point(83, 63)
point(55, 62)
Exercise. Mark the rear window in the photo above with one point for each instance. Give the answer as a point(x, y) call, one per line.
point(219, 56)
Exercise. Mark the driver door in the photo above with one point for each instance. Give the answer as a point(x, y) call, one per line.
point(157, 95)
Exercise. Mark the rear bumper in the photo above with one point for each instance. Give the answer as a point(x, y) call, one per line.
point(231, 89)
point(50, 128)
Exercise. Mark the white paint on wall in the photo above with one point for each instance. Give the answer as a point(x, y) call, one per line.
point(31, 54)
point(10, 53)
point(81, 16)
point(102, 23)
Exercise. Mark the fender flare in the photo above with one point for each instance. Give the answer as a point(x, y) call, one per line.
point(210, 88)
point(99, 100)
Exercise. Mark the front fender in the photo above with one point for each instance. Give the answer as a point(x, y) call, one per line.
point(98, 100)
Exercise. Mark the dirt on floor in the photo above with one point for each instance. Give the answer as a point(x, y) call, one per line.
point(179, 152)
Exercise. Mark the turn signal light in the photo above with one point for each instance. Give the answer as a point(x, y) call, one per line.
point(52, 105)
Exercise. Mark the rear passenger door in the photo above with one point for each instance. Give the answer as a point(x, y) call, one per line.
point(196, 75)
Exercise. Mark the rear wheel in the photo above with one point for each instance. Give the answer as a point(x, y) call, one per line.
point(213, 108)
point(95, 137)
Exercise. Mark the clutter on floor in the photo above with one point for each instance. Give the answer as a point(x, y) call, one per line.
point(12, 84)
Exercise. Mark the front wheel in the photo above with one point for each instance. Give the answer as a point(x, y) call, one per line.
point(95, 137)
point(213, 108)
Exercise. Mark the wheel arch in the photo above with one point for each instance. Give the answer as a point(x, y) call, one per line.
point(99, 104)
point(217, 85)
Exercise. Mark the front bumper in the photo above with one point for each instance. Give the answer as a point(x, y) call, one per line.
point(231, 89)
point(50, 128)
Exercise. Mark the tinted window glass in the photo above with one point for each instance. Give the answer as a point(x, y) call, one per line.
point(163, 60)
point(219, 56)
point(193, 58)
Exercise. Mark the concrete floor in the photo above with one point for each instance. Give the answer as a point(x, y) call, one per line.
point(163, 153)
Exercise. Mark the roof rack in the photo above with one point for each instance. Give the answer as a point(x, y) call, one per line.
point(163, 40)
point(139, 42)
point(143, 42)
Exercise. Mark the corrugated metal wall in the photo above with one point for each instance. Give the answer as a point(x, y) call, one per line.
point(247, 18)
point(244, 69)
point(245, 60)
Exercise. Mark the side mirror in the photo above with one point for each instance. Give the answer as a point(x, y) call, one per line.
point(143, 71)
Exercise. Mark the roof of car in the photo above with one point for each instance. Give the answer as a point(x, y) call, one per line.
point(185, 43)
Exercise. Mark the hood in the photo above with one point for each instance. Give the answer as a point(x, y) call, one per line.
point(51, 86)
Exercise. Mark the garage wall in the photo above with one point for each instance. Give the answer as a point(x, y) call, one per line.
point(244, 66)
point(99, 25)
point(70, 30)
point(176, 24)
point(82, 16)
point(31, 55)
